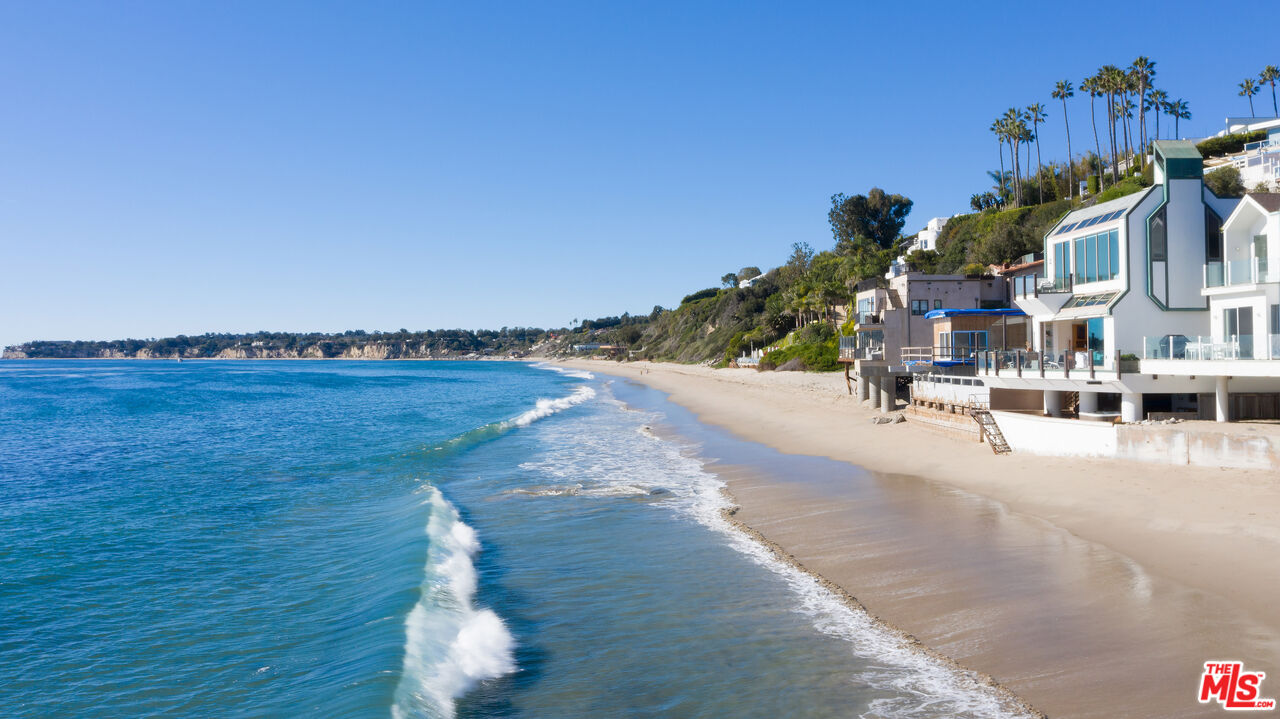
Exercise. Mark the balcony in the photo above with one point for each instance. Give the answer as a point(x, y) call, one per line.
point(1083, 364)
point(1202, 348)
point(851, 349)
point(868, 318)
point(1038, 295)
point(1035, 285)
point(948, 355)
point(1234, 273)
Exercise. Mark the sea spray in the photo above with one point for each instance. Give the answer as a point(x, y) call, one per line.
point(450, 644)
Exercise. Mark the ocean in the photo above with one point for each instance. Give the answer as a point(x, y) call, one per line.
point(402, 539)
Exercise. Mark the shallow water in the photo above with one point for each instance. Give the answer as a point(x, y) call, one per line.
point(399, 538)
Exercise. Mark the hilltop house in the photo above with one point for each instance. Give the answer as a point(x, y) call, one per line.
point(1259, 162)
point(925, 239)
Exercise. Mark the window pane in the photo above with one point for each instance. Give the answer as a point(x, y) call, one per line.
point(1080, 260)
point(1115, 252)
point(1156, 231)
point(1104, 258)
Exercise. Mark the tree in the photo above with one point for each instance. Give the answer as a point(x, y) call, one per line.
point(1225, 182)
point(876, 216)
point(997, 128)
point(747, 273)
point(1113, 82)
point(1181, 111)
point(729, 279)
point(1156, 100)
point(1269, 75)
point(1142, 71)
point(1249, 88)
point(1062, 91)
point(1092, 86)
point(1036, 113)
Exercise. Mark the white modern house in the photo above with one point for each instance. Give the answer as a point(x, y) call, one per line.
point(925, 239)
point(1259, 162)
point(1239, 346)
point(1121, 277)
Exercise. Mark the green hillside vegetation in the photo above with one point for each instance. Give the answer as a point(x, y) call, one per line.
point(994, 237)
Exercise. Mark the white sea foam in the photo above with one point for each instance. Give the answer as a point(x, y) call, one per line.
point(547, 407)
point(450, 644)
point(566, 371)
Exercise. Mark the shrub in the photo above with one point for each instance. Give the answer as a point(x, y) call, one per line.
point(700, 295)
point(1093, 184)
point(1228, 144)
point(1127, 186)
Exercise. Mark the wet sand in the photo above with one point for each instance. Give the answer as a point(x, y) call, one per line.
point(1077, 626)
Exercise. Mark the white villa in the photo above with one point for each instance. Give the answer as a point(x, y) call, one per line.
point(1259, 163)
point(1161, 302)
point(925, 239)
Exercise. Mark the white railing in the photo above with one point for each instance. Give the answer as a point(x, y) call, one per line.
point(1249, 271)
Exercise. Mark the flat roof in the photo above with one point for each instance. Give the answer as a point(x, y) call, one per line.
point(1178, 149)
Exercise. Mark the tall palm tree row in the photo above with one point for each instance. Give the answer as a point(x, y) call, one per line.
point(1092, 85)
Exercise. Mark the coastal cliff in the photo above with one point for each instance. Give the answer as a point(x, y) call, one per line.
point(441, 344)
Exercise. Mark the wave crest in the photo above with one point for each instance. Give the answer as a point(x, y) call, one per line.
point(450, 644)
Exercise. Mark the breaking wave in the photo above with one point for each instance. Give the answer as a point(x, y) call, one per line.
point(450, 644)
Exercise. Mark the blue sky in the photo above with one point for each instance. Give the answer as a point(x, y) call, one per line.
point(183, 167)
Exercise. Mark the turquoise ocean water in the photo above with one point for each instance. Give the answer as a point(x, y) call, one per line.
point(402, 539)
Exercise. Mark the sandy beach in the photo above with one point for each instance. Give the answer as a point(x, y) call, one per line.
point(1091, 588)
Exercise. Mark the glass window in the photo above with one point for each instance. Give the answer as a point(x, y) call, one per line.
point(919, 307)
point(1062, 261)
point(1104, 258)
point(1115, 252)
point(1275, 319)
point(1080, 260)
point(937, 304)
point(1091, 252)
point(1212, 236)
point(1156, 234)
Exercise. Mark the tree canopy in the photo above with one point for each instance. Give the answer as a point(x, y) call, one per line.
point(876, 216)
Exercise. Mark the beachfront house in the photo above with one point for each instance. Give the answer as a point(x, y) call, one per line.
point(1237, 347)
point(890, 315)
point(1116, 274)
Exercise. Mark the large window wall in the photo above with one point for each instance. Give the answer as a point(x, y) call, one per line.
point(1097, 257)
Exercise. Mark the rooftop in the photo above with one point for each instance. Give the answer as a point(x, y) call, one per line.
point(1270, 201)
point(1178, 150)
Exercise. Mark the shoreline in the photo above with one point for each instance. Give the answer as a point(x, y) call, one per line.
point(1006, 696)
point(1090, 502)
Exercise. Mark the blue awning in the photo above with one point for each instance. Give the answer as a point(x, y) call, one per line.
point(944, 312)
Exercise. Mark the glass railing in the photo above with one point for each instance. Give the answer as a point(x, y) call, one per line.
point(1214, 274)
point(1239, 272)
point(1030, 285)
point(1197, 347)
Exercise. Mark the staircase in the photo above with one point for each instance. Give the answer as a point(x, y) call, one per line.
point(1071, 403)
point(991, 431)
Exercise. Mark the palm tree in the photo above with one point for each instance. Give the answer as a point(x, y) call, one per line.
point(1249, 88)
point(1126, 112)
point(1036, 113)
point(1143, 70)
point(1016, 131)
point(1181, 111)
point(1091, 86)
point(1061, 91)
point(1111, 82)
point(1269, 75)
point(1156, 100)
point(997, 128)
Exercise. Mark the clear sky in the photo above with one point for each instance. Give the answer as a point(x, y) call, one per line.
point(183, 167)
